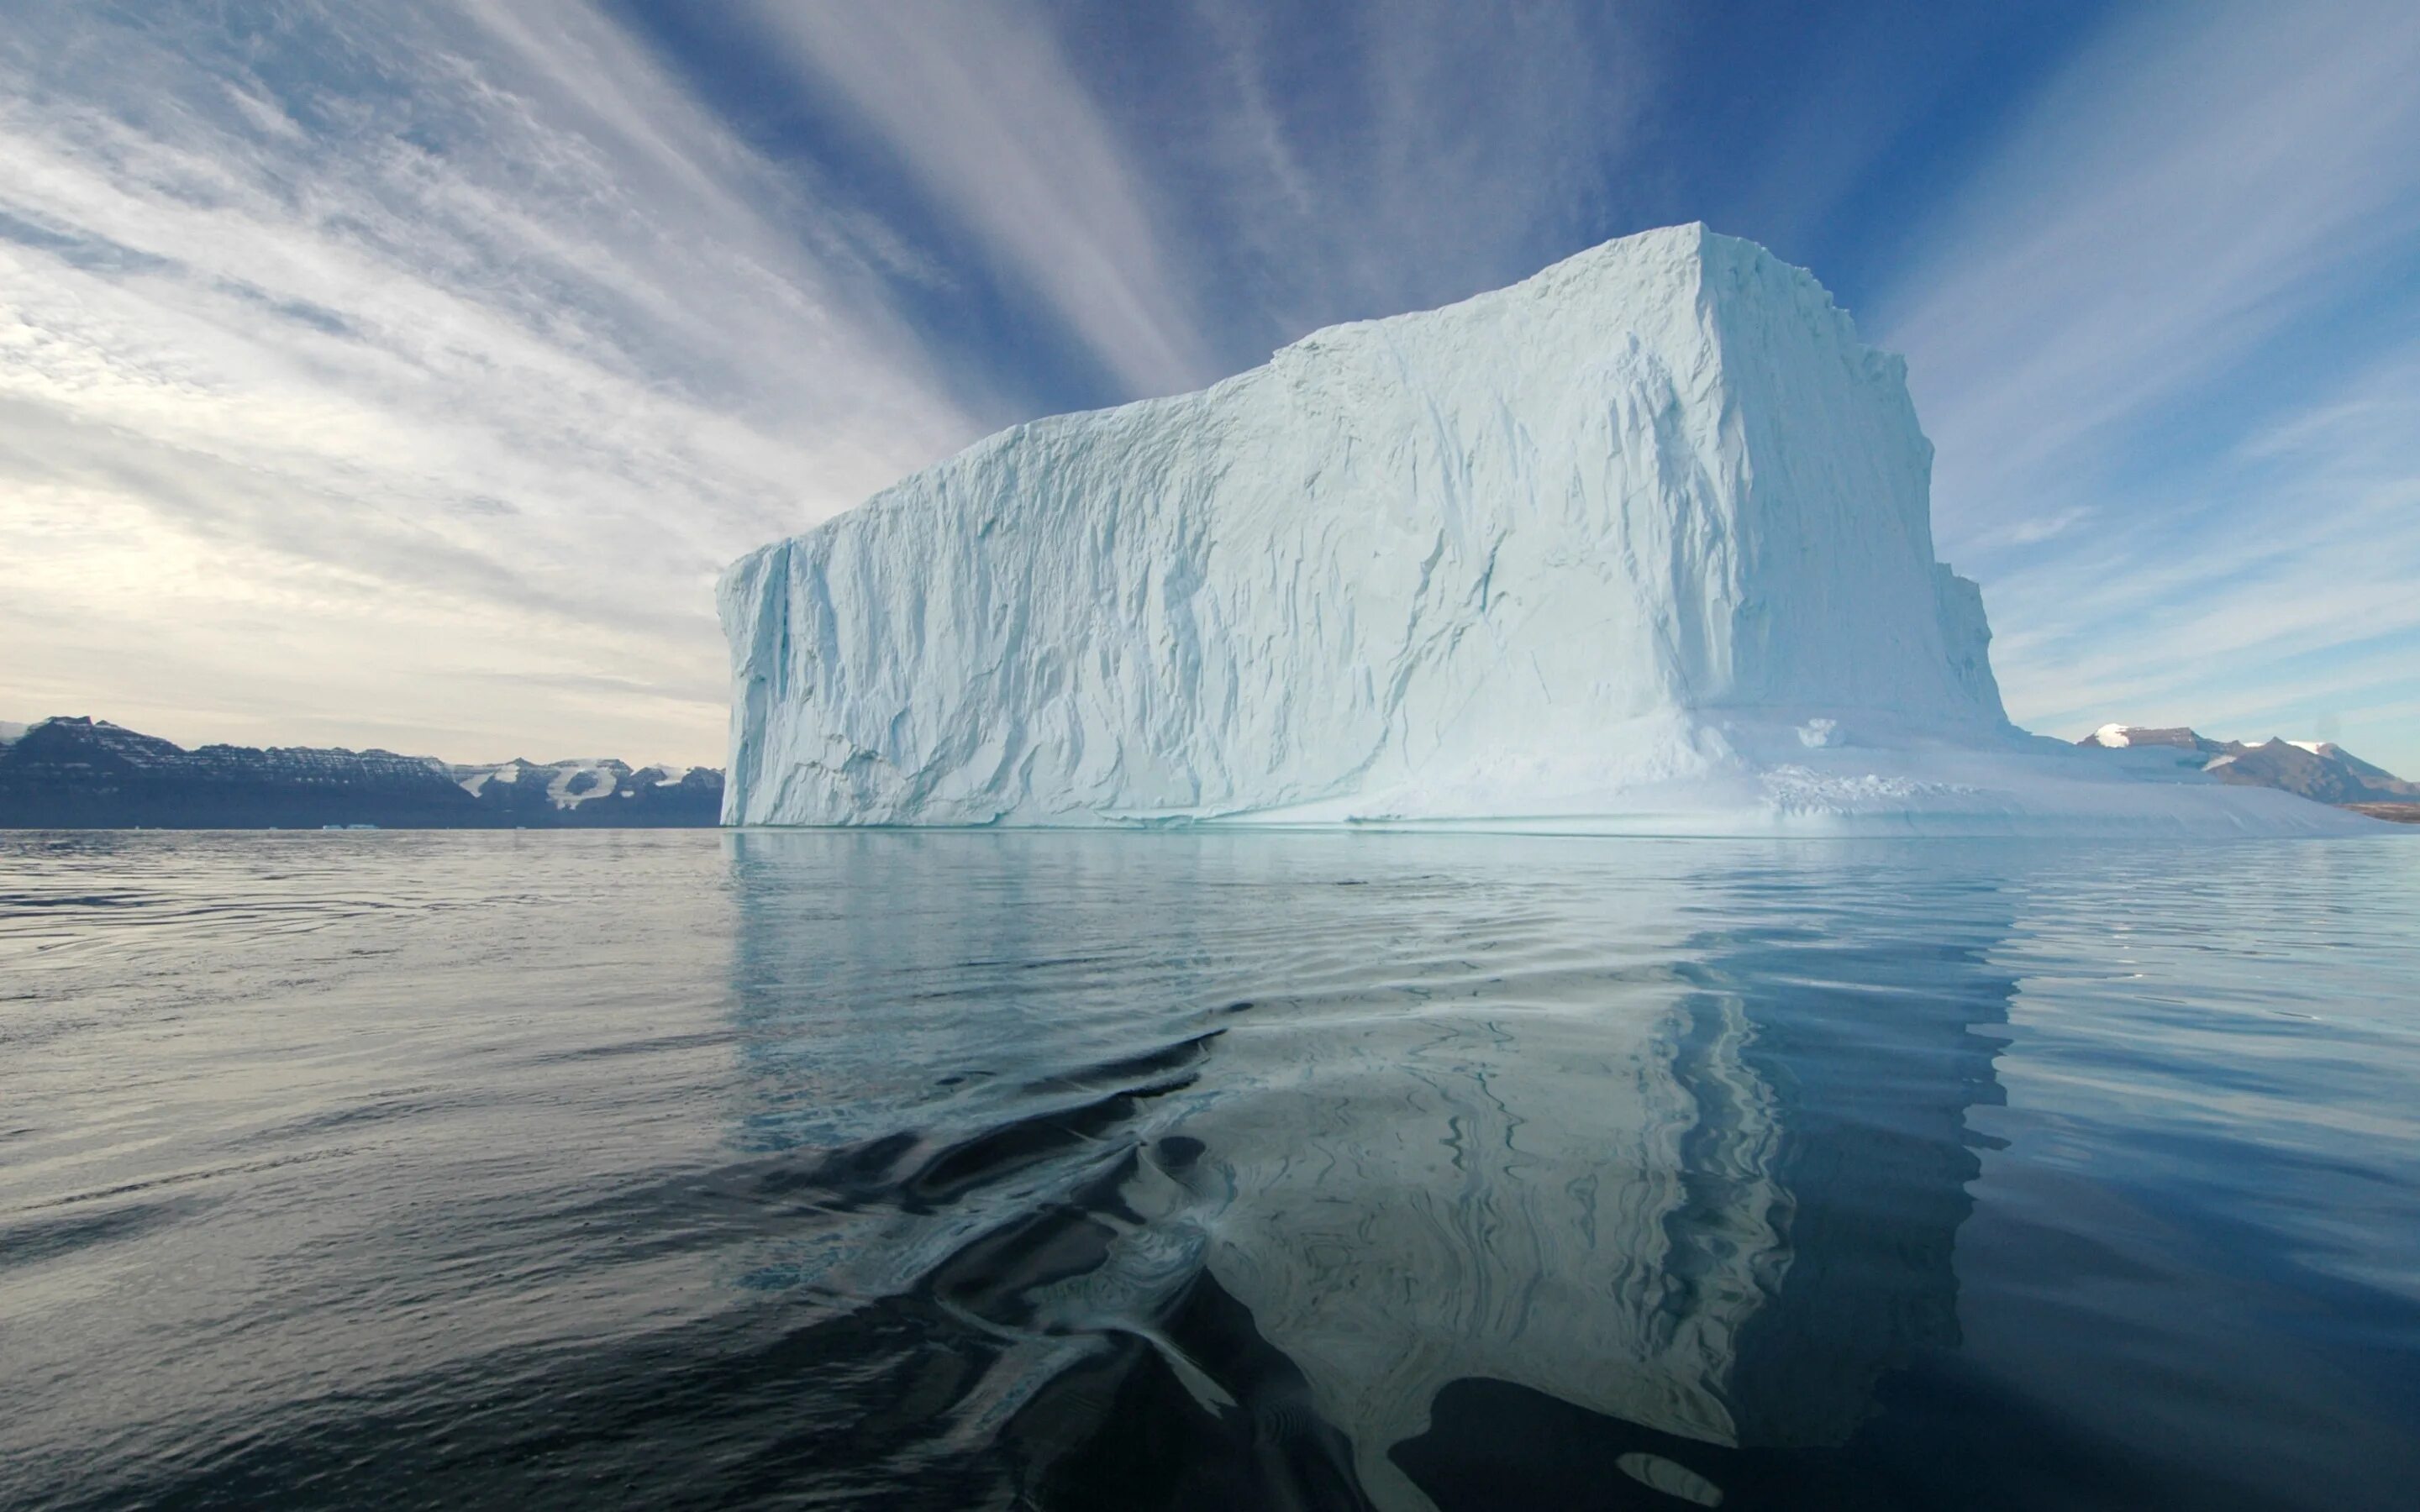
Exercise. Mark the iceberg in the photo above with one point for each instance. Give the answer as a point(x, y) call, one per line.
point(1642, 543)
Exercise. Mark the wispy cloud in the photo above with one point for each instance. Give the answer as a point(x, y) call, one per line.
point(1263, 171)
point(1417, 153)
point(2282, 599)
point(2171, 515)
point(982, 106)
point(454, 336)
point(2204, 179)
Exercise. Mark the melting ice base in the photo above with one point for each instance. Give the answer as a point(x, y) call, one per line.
point(1643, 542)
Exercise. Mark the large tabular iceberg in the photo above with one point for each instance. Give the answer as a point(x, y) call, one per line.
point(1643, 542)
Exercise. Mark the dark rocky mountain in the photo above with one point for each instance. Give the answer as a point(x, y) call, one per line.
point(2319, 770)
point(86, 773)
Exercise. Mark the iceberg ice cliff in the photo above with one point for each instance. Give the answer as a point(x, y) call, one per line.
point(1641, 542)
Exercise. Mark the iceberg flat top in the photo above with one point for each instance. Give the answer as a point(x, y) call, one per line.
point(1643, 541)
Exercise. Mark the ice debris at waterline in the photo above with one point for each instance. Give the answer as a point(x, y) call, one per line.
point(1641, 543)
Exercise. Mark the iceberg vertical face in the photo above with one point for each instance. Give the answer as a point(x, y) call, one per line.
point(1565, 548)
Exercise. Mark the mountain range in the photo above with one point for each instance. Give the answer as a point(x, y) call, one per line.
point(89, 774)
point(2320, 770)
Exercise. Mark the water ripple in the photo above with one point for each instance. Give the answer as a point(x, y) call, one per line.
point(1174, 1170)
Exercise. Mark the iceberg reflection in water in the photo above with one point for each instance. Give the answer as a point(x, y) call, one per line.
point(1190, 1170)
point(1673, 1148)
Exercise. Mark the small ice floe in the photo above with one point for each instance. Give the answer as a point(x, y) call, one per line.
point(1670, 1477)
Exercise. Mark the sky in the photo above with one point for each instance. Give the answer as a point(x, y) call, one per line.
point(403, 374)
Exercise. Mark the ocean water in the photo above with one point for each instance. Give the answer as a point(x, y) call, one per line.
point(1183, 1170)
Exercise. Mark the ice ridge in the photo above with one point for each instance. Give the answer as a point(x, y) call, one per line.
point(1646, 537)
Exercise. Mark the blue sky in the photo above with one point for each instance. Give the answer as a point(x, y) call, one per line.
point(402, 374)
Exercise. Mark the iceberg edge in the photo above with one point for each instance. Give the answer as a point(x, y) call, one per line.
point(1641, 543)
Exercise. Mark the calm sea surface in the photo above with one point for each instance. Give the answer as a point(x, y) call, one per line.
point(1171, 1170)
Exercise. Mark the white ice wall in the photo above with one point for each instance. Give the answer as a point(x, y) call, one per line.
point(1470, 560)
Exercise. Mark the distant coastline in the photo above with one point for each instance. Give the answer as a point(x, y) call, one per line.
point(82, 773)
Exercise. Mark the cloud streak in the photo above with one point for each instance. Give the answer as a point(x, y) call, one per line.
point(1258, 174)
point(2283, 599)
point(2199, 181)
point(2172, 514)
point(983, 108)
point(455, 328)
point(1419, 152)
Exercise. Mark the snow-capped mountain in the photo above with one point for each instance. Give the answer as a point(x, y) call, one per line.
point(2316, 769)
point(79, 773)
point(570, 784)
